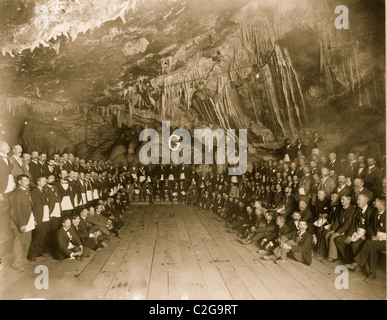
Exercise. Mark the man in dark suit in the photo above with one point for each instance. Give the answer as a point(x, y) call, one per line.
point(358, 188)
point(289, 204)
point(299, 246)
point(275, 239)
point(376, 243)
point(65, 194)
point(287, 152)
point(373, 177)
point(84, 233)
point(41, 212)
point(349, 245)
point(305, 212)
point(51, 169)
point(22, 222)
point(342, 188)
point(351, 167)
point(327, 184)
point(69, 246)
point(305, 186)
point(341, 226)
point(26, 168)
point(300, 146)
point(361, 167)
point(333, 163)
point(35, 168)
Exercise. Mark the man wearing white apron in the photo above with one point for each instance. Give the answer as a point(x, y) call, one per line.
point(64, 193)
point(55, 211)
point(42, 218)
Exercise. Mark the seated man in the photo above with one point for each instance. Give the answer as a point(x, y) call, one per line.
point(275, 239)
point(192, 196)
point(299, 247)
point(104, 224)
point(69, 246)
point(269, 227)
point(88, 236)
point(246, 223)
point(349, 245)
point(376, 234)
point(341, 226)
point(288, 204)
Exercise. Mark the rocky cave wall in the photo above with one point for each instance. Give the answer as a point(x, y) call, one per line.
point(279, 70)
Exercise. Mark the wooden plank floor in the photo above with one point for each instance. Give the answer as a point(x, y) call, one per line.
point(182, 252)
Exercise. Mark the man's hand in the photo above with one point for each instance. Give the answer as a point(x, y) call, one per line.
point(327, 227)
point(314, 240)
point(22, 229)
point(348, 240)
point(253, 229)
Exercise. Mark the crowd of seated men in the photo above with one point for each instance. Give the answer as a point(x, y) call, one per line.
point(300, 206)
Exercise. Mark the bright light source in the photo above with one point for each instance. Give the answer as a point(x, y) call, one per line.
point(26, 122)
point(3, 132)
point(257, 75)
point(55, 119)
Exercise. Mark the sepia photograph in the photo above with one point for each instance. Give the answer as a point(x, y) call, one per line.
point(192, 150)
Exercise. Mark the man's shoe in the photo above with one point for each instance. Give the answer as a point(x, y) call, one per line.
point(370, 279)
point(270, 258)
point(352, 266)
point(262, 251)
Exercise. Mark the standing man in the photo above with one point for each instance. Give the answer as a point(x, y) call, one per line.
point(7, 185)
point(65, 195)
point(17, 162)
point(34, 167)
point(41, 212)
point(373, 177)
point(23, 222)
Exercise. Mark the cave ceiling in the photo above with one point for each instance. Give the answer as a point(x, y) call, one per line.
point(262, 65)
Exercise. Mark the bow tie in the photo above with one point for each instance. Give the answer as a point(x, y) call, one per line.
point(64, 182)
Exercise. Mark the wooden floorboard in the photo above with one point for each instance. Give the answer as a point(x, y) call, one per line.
point(174, 252)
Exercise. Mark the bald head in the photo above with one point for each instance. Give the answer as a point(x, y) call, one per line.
point(17, 150)
point(4, 147)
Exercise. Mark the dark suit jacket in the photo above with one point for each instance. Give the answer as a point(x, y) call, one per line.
point(345, 191)
point(373, 180)
point(307, 215)
point(350, 170)
point(5, 171)
point(344, 220)
point(83, 234)
point(285, 229)
point(305, 245)
point(63, 241)
point(361, 220)
point(375, 223)
point(39, 200)
point(36, 170)
point(21, 207)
